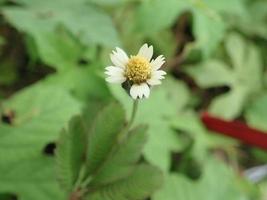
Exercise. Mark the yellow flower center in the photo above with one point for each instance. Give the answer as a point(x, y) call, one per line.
point(138, 69)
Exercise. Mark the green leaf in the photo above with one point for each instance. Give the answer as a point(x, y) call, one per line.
point(179, 187)
point(139, 185)
point(103, 135)
point(218, 74)
point(71, 152)
point(236, 49)
point(244, 78)
point(40, 113)
point(166, 13)
point(30, 177)
point(44, 22)
point(58, 49)
point(256, 113)
point(35, 18)
point(208, 28)
point(231, 104)
point(123, 161)
point(208, 25)
point(84, 83)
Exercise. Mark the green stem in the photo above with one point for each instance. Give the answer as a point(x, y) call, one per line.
point(134, 111)
point(80, 178)
point(125, 131)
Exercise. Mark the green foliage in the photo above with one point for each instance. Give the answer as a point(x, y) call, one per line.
point(92, 154)
point(52, 59)
point(43, 22)
point(244, 78)
point(37, 122)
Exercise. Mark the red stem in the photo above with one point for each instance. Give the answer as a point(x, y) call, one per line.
point(237, 130)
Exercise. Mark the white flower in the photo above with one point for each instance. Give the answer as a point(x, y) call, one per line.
point(139, 70)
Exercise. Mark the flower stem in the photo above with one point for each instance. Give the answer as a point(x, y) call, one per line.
point(125, 131)
point(134, 111)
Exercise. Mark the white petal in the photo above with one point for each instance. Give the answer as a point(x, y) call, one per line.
point(122, 54)
point(146, 51)
point(114, 79)
point(153, 81)
point(119, 58)
point(158, 62)
point(159, 73)
point(156, 76)
point(111, 70)
point(140, 91)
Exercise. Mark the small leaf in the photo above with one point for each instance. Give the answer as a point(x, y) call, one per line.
point(103, 135)
point(70, 152)
point(229, 105)
point(123, 160)
point(139, 185)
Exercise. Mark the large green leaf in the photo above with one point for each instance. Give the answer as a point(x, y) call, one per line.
point(139, 185)
point(30, 178)
point(40, 112)
point(46, 22)
point(37, 17)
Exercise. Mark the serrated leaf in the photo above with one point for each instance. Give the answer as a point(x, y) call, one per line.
point(71, 152)
point(123, 161)
point(139, 185)
point(103, 135)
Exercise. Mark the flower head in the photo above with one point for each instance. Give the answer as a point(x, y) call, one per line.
point(140, 71)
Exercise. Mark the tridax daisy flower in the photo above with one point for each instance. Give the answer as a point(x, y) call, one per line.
point(140, 71)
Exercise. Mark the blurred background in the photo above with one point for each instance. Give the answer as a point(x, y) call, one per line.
point(52, 58)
